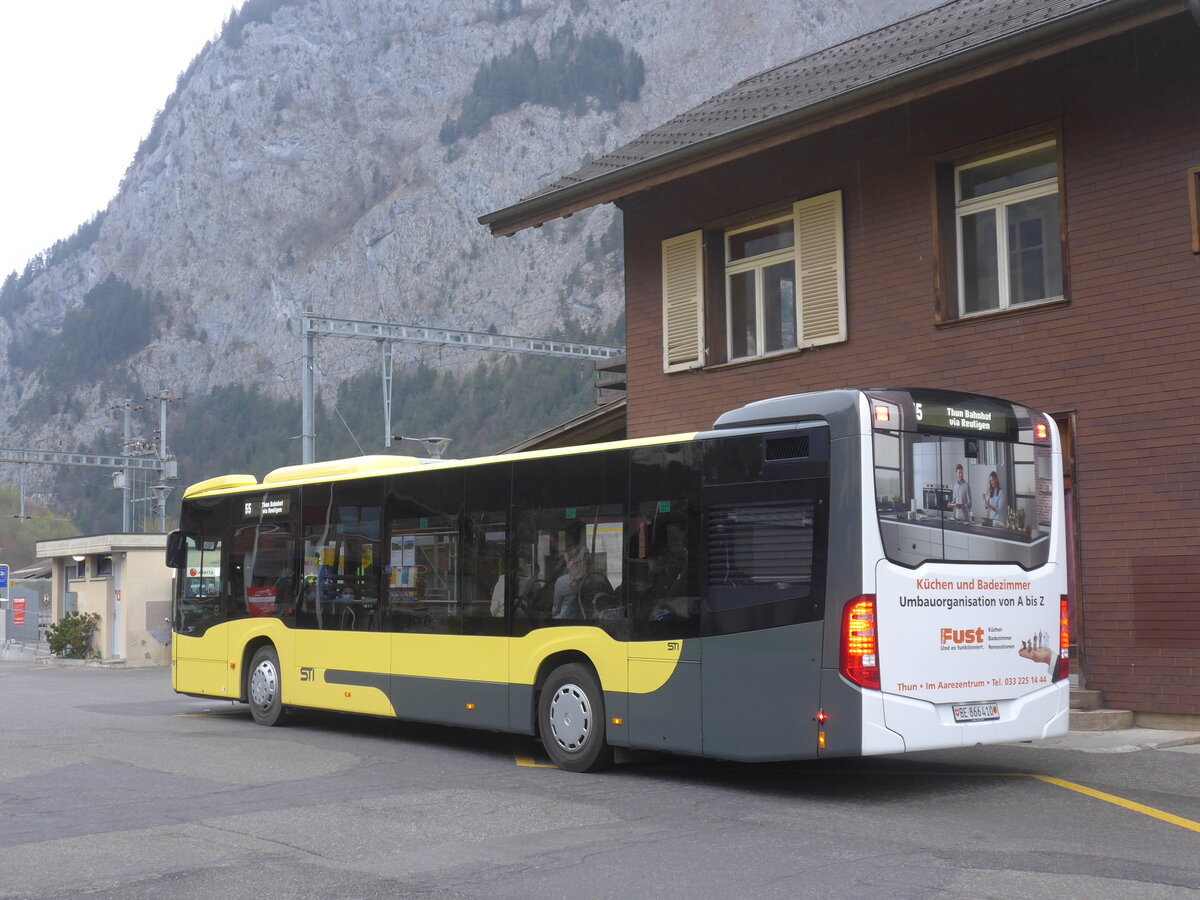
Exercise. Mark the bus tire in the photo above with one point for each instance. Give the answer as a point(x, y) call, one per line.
point(571, 720)
point(263, 686)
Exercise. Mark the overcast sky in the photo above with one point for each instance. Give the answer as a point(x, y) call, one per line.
point(80, 82)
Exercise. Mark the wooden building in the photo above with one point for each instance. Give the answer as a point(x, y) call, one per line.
point(997, 196)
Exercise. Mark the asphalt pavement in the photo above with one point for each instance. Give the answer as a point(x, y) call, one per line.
point(112, 786)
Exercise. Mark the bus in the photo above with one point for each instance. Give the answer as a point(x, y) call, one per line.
point(839, 573)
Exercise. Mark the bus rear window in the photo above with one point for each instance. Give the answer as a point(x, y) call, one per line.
point(945, 496)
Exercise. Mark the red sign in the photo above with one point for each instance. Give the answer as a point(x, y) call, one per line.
point(261, 600)
point(18, 610)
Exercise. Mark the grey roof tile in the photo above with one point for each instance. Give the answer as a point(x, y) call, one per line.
point(873, 58)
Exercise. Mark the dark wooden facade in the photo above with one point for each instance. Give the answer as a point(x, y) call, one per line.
point(1118, 359)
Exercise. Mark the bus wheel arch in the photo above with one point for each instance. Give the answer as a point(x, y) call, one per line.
point(570, 714)
point(544, 670)
point(263, 683)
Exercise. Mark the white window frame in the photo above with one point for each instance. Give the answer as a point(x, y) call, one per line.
point(999, 202)
point(757, 264)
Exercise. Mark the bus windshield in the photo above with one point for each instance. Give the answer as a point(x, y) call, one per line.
point(961, 477)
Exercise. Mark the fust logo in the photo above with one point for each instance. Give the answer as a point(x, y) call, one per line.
point(962, 636)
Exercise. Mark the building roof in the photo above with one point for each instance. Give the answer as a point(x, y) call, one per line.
point(603, 424)
point(37, 570)
point(89, 544)
point(869, 72)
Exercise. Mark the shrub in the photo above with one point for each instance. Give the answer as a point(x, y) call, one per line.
point(71, 636)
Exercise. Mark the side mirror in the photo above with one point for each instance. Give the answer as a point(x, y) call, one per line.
point(176, 550)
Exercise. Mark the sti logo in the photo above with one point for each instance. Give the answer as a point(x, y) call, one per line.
point(962, 636)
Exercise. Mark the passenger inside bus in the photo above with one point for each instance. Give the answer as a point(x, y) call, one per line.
point(567, 586)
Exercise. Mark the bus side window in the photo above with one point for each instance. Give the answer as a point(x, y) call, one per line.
point(663, 549)
point(270, 586)
point(569, 566)
point(484, 587)
point(663, 572)
point(423, 580)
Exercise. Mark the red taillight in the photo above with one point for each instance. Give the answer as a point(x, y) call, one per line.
point(1041, 431)
point(882, 413)
point(860, 644)
point(1063, 670)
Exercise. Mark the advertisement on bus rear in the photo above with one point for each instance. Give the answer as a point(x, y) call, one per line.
point(975, 634)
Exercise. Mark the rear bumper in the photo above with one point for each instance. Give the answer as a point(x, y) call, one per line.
point(922, 725)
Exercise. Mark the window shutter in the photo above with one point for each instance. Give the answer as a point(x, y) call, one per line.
point(820, 269)
point(683, 301)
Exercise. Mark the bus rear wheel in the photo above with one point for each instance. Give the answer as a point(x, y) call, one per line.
point(571, 720)
point(263, 687)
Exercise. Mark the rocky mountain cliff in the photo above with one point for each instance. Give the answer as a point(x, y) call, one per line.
point(299, 167)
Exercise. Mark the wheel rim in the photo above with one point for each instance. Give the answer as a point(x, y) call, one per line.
point(570, 718)
point(264, 682)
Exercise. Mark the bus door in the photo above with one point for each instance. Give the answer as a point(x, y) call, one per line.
point(342, 657)
point(764, 577)
point(663, 586)
point(199, 651)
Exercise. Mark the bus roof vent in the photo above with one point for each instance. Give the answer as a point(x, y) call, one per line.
point(792, 446)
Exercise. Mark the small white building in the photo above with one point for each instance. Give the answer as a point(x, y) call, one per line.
point(124, 579)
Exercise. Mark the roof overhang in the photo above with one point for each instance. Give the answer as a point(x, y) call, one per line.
point(600, 425)
point(1005, 53)
point(90, 544)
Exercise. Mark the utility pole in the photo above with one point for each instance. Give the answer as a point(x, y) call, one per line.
point(163, 488)
point(308, 429)
point(123, 478)
point(167, 469)
point(137, 455)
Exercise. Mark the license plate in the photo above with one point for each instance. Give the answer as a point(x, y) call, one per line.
point(976, 712)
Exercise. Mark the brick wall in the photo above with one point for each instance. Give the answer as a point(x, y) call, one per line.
point(1122, 354)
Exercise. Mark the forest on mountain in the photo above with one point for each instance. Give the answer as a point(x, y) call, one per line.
point(575, 71)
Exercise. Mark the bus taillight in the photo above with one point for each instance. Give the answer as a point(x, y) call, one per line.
point(1063, 671)
point(860, 645)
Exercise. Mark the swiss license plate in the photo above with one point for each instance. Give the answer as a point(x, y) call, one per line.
point(976, 712)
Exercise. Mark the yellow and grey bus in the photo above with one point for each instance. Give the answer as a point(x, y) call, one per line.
point(827, 574)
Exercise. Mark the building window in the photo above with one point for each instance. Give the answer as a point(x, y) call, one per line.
point(1009, 248)
point(103, 565)
point(760, 289)
point(784, 284)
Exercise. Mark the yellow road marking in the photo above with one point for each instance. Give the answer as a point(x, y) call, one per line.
point(1170, 818)
point(528, 763)
point(1120, 801)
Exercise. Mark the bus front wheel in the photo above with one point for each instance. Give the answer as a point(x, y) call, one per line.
point(263, 687)
point(571, 720)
